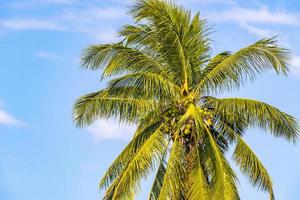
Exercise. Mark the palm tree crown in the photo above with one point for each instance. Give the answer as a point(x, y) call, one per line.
point(163, 78)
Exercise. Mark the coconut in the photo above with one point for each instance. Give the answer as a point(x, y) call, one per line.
point(186, 131)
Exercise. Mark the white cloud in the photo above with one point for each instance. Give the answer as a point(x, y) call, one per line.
point(109, 129)
point(249, 19)
point(46, 55)
point(29, 24)
point(7, 119)
point(57, 1)
point(262, 16)
point(257, 31)
point(35, 3)
point(93, 13)
point(295, 65)
point(227, 2)
point(99, 22)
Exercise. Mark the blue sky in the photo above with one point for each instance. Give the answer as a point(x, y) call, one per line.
point(43, 156)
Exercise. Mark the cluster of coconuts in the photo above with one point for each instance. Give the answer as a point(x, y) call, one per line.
point(186, 133)
point(207, 116)
point(187, 101)
point(188, 128)
point(171, 117)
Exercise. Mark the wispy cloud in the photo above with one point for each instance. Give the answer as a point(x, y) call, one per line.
point(227, 2)
point(295, 65)
point(46, 55)
point(93, 13)
point(262, 16)
point(98, 22)
point(36, 3)
point(249, 19)
point(257, 31)
point(8, 119)
point(109, 129)
point(29, 24)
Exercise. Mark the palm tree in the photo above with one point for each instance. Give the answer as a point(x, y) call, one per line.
point(162, 78)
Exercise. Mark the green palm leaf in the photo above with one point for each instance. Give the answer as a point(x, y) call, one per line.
point(230, 183)
point(141, 136)
point(252, 167)
point(121, 58)
point(138, 167)
point(259, 114)
point(172, 183)
point(158, 180)
point(198, 186)
point(147, 82)
point(102, 104)
point(246, 64)
point(219, 185)
point(183, 37)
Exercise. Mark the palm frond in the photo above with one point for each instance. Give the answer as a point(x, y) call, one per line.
point(147, 82)
point(214, 62)
point(258, 114)
point(152, 117)
point(245, 64)
point(172, 183)
point(97, 56)
point(219, 182)
point(251, 166)
point(228, 128)
point(120, 59)
point(158, 180)
point(101, 104)
point(140, 165)
point(197, 43)
point(141, 135)
point(230, 183)
point(180, 37)
point(198, 187)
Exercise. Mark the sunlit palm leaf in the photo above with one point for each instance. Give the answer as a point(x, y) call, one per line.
point(172, 183)
point(197, 185)
point(182, 39)
point(101, 104)
point(252, 167)
point(245, 64)
point(219, 185)
point(147, 82)
point(140, 165)
point(141, 136)
point(259, 114)
point(230, 183)
point(159, 178)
